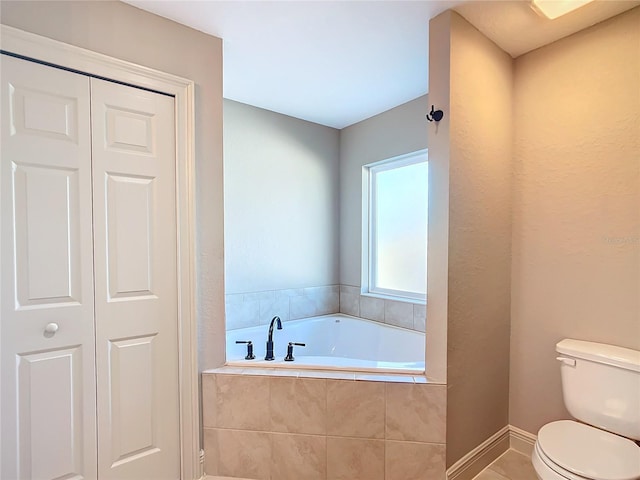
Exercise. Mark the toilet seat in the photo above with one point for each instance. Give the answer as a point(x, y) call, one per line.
point(578, 451)
point(548, 470)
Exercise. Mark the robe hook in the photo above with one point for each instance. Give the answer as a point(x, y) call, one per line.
point(435, 115)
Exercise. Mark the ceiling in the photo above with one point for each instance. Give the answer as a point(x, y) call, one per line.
point(339, 62)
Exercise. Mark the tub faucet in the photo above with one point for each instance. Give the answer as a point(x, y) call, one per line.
point(270, 337)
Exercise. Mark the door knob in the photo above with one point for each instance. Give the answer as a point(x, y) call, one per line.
point(50, 330)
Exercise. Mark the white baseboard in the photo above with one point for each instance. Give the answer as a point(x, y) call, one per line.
point(488, 451)
point(521, 440)
point(477, 459)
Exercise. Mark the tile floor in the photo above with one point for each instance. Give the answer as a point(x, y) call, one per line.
point(512, 465)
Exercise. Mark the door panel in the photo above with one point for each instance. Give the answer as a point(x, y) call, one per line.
point(47, 234)
point(130, 131)
point(136, 283)
point(48, 403)
point(135, 431)
point(50, 384)
point(45, 114)
point(130, 214)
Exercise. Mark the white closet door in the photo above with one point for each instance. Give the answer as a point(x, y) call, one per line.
point(48, 376)
point(136, 286)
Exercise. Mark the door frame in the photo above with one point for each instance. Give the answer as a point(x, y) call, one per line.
point(70, 57)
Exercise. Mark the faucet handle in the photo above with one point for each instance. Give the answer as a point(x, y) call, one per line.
point(250, 355)
point(289, 357)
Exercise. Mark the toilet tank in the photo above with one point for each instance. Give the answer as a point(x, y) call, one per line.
point(601, 385)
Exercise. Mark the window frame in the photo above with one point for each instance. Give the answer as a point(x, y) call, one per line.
point(369, 237)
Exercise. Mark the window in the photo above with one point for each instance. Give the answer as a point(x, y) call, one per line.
point(395, 227)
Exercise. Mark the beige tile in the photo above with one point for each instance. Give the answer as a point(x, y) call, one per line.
point(369, 377)
point(209, 402)
point(327, 299)
point(272, 306)
point(235, 298)
point(490, 475)
point(419, 317)
point(414, 461)
point(372, 308)
point(355, 459)
point(297, 457)
point(241, 315)
point(238, 453)
point(298, 405)
point(514, 466)
point(350, 289)
point(225, 370)
point(285, 372)
point(416, 412)
point(259, 296)
point(258, 371)
point(336, 374)
point(356, 409)
point(210, 446)
point(302, 307)
point(399, 314)
point(350, 300)
point(242, 402)
point(289, 292)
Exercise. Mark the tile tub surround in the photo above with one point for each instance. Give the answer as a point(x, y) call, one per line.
point(393, 312)
point(274, 427)
point(258, 308)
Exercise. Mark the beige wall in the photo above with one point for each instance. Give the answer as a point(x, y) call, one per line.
point(477, 147)
point(281, 201)
point(122, 31)
point(576, 215)
point(389, 134)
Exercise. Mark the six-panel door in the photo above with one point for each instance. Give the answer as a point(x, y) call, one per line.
point(54, 231)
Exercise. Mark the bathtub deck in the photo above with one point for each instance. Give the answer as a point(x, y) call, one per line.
point(328, 374)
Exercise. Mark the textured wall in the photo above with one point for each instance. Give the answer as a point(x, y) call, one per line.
point(281, 201)
point(394, 132)
point(576, 216)
point(124, 32)
point(479, 157)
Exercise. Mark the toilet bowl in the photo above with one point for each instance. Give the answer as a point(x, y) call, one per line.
point(601, 389)
point(568, 450)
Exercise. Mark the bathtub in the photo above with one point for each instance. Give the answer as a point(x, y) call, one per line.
point(333, 342)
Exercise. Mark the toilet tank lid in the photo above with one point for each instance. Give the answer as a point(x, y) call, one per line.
point(602, 353)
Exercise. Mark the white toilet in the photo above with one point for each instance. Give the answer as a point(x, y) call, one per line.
point(601, 387)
